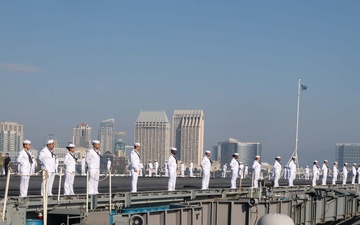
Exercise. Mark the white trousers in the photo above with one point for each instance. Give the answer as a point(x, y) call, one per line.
point(292, 178)
point(307, 176)
point(191, 172)
point(156, 172)
point(324, 179)
point(24, 185)
point(83, 170)
point(150, 170)
point(140, 172)
point(166, 172)
point(334, 179)
point(50, 182)
point(344, 179)
point(172, 180)
point(134, 180)
point(314, 178)
point(256, 180)
point(234, 177)
point(276, 179)
point(93, 181)
point(353, 179)
point(205, 180)
point(69, 183)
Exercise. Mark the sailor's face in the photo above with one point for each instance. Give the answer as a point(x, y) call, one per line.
point(27, 146)
point(96, 146)
point(51, 146)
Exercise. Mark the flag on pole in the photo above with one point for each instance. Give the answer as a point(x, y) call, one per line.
point(303, 87)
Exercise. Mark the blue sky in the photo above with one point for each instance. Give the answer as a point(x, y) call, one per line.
point(67, 62)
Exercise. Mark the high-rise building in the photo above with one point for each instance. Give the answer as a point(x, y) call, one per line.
point(119, 143)
point(81, 136)
point(246, 150)
point(152, 130)
point(11, 136)
point(51, 137)
point(347, 153)
point(106, 135)
point(188, 135)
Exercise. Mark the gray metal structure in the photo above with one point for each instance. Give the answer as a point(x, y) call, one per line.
point(305, 205)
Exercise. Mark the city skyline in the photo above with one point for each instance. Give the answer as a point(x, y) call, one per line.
point(68, 62)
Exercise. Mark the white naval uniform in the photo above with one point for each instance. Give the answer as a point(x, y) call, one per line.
point(56, 165)
point(246, 171)
point(206, 167)
point(48, 163)
point(224, 171)
point(354, 174)
point(292, 171)
point(257, 169)
point(134, 169)
point(141, 167)
point(83, 164)
point(241, 171)
point(358, 174)
point(108, 165)
point(335, 174)
point(70, 167)
point(93, 163)
point(25, 171)
point(150, 168)
point(182, 170)
point(191, 169)
point(234, 165)
point(324, 169)
point(345, 173)
point(33, 166)
point(156, 166)
point(307, 173)
point(315, 174)
point(277, 172)
point(166, 169)
point(172, 167)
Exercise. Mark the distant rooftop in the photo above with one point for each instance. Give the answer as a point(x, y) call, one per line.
point(189, 112)
point(152, 116)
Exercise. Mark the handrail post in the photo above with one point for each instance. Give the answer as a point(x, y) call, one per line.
point(87, 193)
point(6, 195)
point(45, 196)
point(61, 174)
point(110, 191)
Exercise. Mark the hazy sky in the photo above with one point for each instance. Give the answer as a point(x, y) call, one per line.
point(67, 62)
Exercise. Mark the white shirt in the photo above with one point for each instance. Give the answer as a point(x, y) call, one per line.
point(23, 160)
point(191, 165)
point(345, 171)
point(335, 170)
point(108, 164)
point(141, 166)
point(134, 160)
point(241, 168)
point(234, 164)
point(172, 166)
point(47, 160)
point(182, 167)
point(292, 167)
point(156, 164)
point(224, 167)
point(150, 165)
point(324, 169)
point(277, 167)
point(69, 162)
point(354, 170)
point(315, 170)
point(257, 167)
point(307, 171)
point(206, 164)
point(93, 159)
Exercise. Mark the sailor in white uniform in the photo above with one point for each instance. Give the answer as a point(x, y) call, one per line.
point(182, 169)
point(246, 171)
point(25, 161)
point(206, 168)
point(33, 165)
point(108, 165)
point(324, 169)
point(277, 171)
point(234, 165)
point(257, 169)
point(141, 167)
point(70, 161)
point(150, 168)
point(191, 169)
point(223, 175)
point(345, 173)
point(353, 170)
point(172, 167)
point(93, 157)
point(335, 173)
point(166, 168)
point(307, 173)
point(83, 166)
point(48, 163)
point(135, 166)
point(241, 170)
point(156, 167)
point(315, 173)
point(292, 171)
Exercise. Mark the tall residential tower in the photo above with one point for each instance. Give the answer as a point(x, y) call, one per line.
point(106, 135)
point(152, 130)
point(11, 136)
point(188, 135)
point(81, 135)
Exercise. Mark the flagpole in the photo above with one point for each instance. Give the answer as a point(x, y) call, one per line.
point(297, 124)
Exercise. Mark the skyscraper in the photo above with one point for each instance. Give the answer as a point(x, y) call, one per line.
point(347, 153)
point(106, 135)
point(188, 135)
point(81, 135)
point(11, 136)
point(152, 130)
point(120, 142)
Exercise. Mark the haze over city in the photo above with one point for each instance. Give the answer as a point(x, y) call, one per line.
point(65, 63)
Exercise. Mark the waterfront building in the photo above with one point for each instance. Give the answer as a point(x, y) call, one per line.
point(81, 136)
point(152, 130)
point(246, 150)
point(106, 135)
point(188, 135)
point(347, 153)
point(11, 136)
